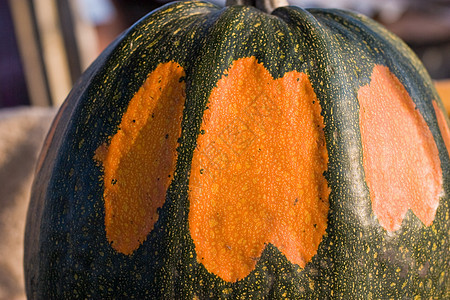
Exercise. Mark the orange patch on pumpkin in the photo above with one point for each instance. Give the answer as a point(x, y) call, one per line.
point(443, 127)
point(400, 157)
point(139, 163)
point(257, 172)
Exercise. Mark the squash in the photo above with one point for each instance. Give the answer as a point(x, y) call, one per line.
point(233, 153)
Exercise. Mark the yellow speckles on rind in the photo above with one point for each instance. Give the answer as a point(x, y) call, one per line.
point(311, 284)
point(152, 43)
point(429, 284)
point(227, 291)
point(442, 277)
point(434, 247)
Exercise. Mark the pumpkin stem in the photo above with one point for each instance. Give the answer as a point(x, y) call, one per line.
point(265, 5)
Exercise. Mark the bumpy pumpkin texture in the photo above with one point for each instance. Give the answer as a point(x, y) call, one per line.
point(229, 153)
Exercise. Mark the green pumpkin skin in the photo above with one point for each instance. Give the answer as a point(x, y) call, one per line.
point(67, 254)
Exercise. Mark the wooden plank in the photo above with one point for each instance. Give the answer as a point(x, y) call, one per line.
point(29, 47)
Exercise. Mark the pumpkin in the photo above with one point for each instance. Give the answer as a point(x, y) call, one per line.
point(234, 153)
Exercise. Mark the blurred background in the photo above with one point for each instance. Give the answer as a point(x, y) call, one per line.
point(46, 44)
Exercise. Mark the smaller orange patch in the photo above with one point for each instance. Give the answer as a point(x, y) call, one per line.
point(443, 127)
point(139, 163)
point(50, 136)
point(400, 157)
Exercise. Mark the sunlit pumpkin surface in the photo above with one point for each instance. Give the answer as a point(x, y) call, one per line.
point(400, 157)
point(140, 160)
point(257, 171)
point(226, 153)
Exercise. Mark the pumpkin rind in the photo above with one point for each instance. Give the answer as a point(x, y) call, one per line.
point(67, 252)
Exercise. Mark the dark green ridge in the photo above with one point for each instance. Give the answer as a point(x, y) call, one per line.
point(401, 60)
point(76, 260)
point(412, 243)
point(323, 70)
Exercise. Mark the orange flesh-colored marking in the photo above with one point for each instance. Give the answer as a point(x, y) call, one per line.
point(257, 171)
point(400, 156)
point(443, 127)
point(139, 163)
